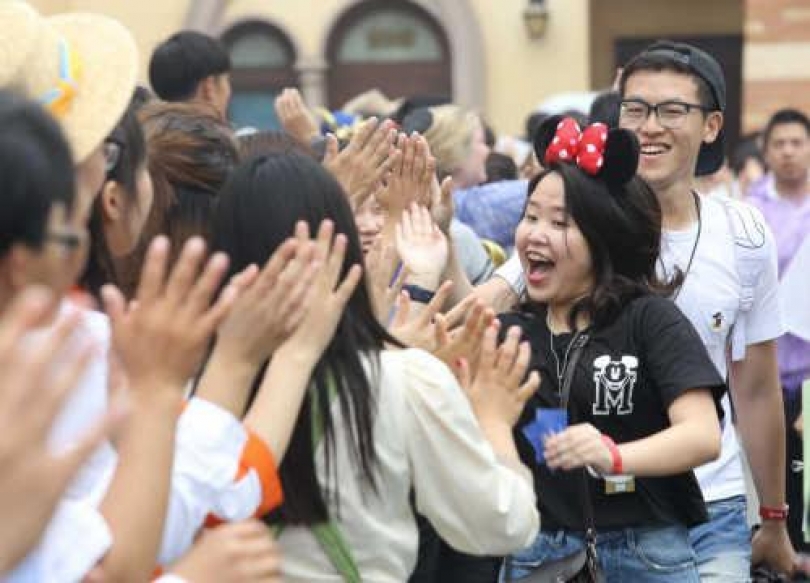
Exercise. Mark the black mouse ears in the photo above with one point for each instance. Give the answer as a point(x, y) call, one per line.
point(608, 154)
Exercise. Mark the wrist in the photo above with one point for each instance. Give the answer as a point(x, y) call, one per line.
point(616, 466)
point(231, 358)
point(773, 514)
point(499, 435)
point(298, 354)
point(419, 293)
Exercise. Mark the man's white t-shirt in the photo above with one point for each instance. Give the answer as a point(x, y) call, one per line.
point(711, 297)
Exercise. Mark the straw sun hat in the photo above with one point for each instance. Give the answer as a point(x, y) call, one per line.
point(81, 67)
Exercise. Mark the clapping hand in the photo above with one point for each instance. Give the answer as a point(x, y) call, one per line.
point(411, 177)
point(364, 163)
point(497, 390)
point(161, 337)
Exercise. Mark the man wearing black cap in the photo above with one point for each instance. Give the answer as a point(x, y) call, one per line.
point(673, 97)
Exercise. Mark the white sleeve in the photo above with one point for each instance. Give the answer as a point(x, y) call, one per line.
point(512, 272)
point(477, 504)
point(793, 290)
point(207, 449)
point(76, 539)
point(764, 320)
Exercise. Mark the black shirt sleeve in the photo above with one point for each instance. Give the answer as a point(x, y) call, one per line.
point(674, 354)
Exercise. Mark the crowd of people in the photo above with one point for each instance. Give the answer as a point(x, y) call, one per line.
point(388, 351)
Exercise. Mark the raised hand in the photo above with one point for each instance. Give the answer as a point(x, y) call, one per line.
point(274, 410)
point(441, 203)
point(239, 552)
point(417, 328)
point(363, 164)
point(497, 391)
point(328, 294)
point(296, 119)
point(160, 338)
point(44, 372)
point(381, 262)
point(411, 177)
point(423, 248)
point(463, 342)
point(269, 307)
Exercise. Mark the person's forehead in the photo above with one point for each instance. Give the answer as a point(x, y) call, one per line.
point(549, 191)
point(788, 129)
point(656, 86)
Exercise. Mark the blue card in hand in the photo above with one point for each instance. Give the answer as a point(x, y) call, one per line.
point(546, 422)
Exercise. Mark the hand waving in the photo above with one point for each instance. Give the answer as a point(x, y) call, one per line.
point(160, 339)
point(423, 248)
point(296, 119)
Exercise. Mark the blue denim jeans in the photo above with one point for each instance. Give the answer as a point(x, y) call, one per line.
point(723, 545)
point(656, 554)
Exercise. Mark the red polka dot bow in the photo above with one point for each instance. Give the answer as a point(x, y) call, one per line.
point(570, 144)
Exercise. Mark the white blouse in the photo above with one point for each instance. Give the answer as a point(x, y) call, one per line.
point(427, 439)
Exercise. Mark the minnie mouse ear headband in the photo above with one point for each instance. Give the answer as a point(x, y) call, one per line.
point(81, 67)
point(610, 155)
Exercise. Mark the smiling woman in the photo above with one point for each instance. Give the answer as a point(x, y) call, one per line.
point(618, 362)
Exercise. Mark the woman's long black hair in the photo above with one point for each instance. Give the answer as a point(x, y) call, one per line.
point(258, 209)
point(621, 225)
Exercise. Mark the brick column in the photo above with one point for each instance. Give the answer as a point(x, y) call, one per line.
point(776, 59)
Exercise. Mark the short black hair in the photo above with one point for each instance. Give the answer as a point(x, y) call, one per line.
point(784, 116)
point(605, 109)
point(500, 167)
point(183, 60)
point(36, 171)
point(652, 61)
point(748, 146)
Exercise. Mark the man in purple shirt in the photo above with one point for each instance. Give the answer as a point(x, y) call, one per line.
point(783, 196)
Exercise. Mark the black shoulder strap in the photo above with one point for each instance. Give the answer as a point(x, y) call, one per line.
point(565, 392)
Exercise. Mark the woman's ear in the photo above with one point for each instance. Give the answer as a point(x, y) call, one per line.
point(112, 202)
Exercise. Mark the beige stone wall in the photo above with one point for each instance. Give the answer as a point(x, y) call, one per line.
point(517, 72)
point(150, 21)
point(776, 59)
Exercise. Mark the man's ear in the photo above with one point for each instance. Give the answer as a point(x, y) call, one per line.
point(206, 89)
point(13, 267)
point(712, 126)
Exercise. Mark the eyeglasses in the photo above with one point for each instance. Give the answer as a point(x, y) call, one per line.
point(67, 239)
point(670, 114)
point(112, 154)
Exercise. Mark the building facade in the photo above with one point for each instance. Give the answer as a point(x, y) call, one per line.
point(479, 52)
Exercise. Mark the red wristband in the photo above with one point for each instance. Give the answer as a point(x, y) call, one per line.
point(614, 454)
point(770, 513)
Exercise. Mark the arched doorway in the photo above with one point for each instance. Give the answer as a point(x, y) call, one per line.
point(262, 63)
point(394, 46)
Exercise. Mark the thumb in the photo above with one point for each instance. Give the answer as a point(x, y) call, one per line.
point(114, 302)
point(447, 189)
point(331, 148)
point(463, 373)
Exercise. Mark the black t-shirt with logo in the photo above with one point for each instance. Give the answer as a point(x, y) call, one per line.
point(626, 377)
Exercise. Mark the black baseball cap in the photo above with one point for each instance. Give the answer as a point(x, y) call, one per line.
point(705, 66)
